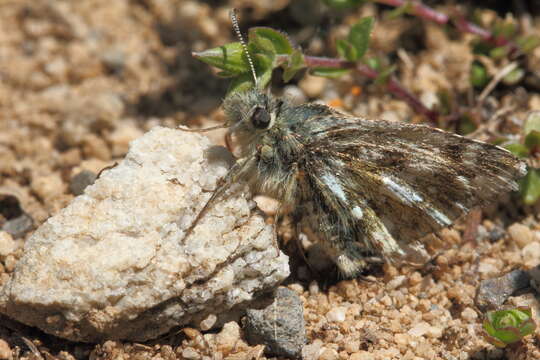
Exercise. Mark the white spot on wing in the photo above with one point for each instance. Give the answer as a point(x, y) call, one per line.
point(357, 212)
point(332, 182)
point(404, 193)
point(439, 217)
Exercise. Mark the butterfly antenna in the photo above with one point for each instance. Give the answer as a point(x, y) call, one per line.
point(236, 28)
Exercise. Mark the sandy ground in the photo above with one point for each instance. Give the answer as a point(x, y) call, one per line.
point(80, 79)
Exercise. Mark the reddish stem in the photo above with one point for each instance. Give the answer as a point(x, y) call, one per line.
point(418, 9)
point(461, 24)
point(394, 86)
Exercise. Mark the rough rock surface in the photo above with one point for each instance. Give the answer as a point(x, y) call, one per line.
point(280, 325)
point(492, 293)
point(116, 264)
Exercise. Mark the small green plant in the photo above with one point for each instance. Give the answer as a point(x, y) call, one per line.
point(529, 186)
point(505, 327)
point(271, 49)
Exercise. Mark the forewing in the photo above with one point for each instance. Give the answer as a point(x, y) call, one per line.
point(407, 180)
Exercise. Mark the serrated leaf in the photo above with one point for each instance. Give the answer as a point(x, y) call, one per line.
point(518, 150)
point(270, 40)
point(294, 64)
point(532, 140)
point(343, 4)
point(529, 187)
point(346, 50)
point(228, 58)
point(360, 34)
point(329, 72)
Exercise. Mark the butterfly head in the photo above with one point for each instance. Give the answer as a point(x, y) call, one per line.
point(252, 111)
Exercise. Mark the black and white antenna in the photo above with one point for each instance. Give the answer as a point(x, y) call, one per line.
point(236, 28)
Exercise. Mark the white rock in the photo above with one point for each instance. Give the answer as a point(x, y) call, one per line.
point(116, 264)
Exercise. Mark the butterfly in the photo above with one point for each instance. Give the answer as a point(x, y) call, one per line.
point(366, 188)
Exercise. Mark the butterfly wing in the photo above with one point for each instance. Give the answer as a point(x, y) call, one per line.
point(382, 185)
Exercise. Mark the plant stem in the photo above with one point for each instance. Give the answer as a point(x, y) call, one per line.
point(394, 86)
point(418, 9)
point(428, 13)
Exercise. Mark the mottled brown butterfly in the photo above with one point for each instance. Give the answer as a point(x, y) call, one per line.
point(365, 187)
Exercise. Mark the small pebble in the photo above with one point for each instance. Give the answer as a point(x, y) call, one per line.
point(5, 350)
point(520, 234)
point(18, 226)
point(337, 314)
point(362, 355)
point(80, 181)
point(329, 354)
point(10, 263)
point(48, 186)
point(419, 329)
point(469, 314)
point(208, 322)
point(190, 354)
point(492, 293)
point(531, 254)
point(227, 338)
point(396, 282)
point(7, 244)
point(261, 325)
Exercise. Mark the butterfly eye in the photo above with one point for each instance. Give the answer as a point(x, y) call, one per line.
point(260, 118)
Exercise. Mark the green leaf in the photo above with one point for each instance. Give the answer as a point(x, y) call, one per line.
point(498, 52)
point(529, 187)
point(518, 150)
point(374, 63)
point(228, 58)
point(343, 4)
point(346, 50)
point(528, 43)
point(294, 64)
point(241, 83)
point(479, 76)
point(514, 77)
point(270, 40)
point(532, 140)
point(505, 327)
point(329, 72)
point(532, 122)
point(505, 28)
point(264, 66)
point(360, 34)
